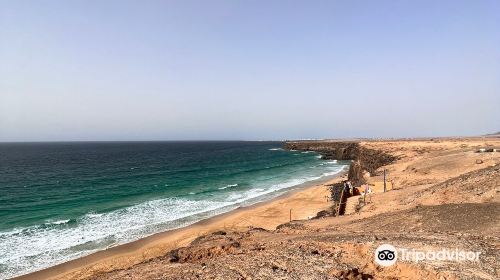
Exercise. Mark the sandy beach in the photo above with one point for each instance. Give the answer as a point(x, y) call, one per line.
point(304, 203)
point(444, 195)
point(249, 140)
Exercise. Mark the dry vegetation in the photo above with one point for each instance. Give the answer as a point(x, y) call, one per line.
point(446, 197)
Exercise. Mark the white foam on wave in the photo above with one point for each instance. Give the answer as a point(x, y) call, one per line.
point(228, 186)
point(332, 161)
point(60, 222)
point(276, 149)
point(38, 247)
point(94, 215)
point(260, 192)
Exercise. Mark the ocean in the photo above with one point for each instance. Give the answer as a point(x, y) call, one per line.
point(61, 201)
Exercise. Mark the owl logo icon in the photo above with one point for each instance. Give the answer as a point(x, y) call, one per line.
point(386, 255)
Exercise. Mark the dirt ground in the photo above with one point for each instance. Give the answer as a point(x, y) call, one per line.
point(446, 196)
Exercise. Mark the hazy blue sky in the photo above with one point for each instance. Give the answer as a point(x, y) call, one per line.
point(144, 70)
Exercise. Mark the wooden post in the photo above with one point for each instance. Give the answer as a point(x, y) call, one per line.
point(290, 214)
point(340, 202)
point(364, 197)
point(385, 187)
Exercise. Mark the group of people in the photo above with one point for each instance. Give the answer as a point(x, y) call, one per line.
point(350, 190)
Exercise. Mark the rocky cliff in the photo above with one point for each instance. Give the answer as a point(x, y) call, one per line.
point(364, 159)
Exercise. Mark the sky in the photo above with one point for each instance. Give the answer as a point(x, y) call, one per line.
point(247, 70)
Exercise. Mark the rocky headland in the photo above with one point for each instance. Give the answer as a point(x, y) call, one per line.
point(445, 195)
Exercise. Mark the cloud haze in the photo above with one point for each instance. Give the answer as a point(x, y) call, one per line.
point(169, 70)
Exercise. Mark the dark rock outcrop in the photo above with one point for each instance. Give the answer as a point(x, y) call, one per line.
point(364, 159)
point(329, 150)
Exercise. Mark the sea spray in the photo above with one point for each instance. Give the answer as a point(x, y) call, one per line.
point(79, 198)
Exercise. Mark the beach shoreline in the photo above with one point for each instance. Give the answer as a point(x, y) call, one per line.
point(304, 200)
point(434, 182)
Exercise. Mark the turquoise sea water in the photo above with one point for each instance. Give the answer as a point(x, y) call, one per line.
point(61, 201)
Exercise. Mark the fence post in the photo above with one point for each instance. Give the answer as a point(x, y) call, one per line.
point(340, 202)
point(385, 187)
point(290, 214)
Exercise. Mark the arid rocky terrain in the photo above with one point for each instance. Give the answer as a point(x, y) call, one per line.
point(446, 196)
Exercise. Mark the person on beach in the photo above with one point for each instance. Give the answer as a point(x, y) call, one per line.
point(368, 191)
point(347, 189)
point(351, 188)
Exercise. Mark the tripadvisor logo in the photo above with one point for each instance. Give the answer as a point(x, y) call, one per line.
point(386, 255)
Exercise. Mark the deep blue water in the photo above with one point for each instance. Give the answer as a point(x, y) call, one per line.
point(60, 201)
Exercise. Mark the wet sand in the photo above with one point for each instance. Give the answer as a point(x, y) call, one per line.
point(304, 203)
point(446, 195)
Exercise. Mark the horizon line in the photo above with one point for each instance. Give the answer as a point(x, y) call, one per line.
point(247, 140)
